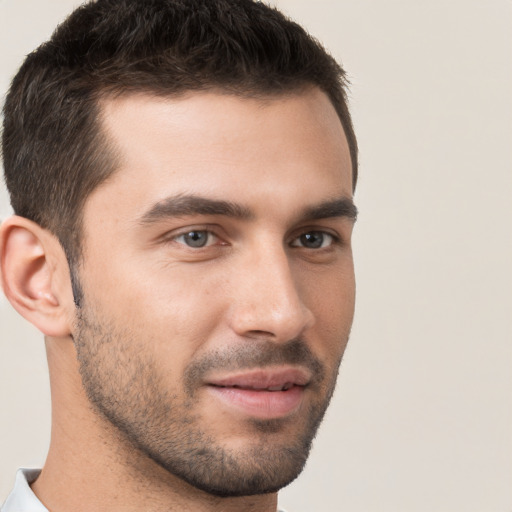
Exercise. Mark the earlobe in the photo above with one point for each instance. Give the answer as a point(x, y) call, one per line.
point(30, 262)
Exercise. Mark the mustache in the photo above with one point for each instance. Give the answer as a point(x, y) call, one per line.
point(253, 354)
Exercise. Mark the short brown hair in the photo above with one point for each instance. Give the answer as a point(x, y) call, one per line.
point(53, 152)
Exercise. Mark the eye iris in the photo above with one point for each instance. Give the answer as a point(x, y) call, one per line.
point(196, 238)
point(312, 240)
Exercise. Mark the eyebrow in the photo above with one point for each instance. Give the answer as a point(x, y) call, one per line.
point(185, 205)
point(342, 207)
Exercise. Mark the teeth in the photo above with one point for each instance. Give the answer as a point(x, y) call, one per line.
point(284, 387)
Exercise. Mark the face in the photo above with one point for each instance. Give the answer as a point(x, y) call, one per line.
point(218, 283)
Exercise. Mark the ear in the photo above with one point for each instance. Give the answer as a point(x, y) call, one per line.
point(35, 276)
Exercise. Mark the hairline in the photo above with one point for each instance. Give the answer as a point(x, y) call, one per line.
point(106, 95)
point(112, 152)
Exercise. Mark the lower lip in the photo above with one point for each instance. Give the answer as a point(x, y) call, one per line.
point(260, 404)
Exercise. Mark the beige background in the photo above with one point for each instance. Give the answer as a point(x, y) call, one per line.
point(422, 418)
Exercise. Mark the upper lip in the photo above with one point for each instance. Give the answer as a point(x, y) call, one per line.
point(268, 378)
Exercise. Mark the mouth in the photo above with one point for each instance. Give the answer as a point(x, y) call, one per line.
point(284, 387)
point(263, 394)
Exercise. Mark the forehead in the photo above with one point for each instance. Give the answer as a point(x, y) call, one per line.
point(224, 145)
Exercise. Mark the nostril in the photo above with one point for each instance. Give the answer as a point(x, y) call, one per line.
point(260, 334)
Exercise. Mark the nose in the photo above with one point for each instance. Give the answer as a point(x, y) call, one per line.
point(267, 301)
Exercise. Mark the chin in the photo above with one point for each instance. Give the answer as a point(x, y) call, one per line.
point(270, 458)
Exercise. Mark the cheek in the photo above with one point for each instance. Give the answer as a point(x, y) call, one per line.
point(329, 291)
point(330, 296)
point(174, 309)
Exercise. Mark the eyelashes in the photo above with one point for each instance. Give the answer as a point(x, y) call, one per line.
point(197, 238)
point(203, 238)
point(314, 240)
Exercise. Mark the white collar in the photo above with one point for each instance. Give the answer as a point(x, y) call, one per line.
point(22, 499)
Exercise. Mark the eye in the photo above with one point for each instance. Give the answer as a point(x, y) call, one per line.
point(313, 240)
point(196, 238)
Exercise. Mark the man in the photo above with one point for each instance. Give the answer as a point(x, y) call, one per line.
point(181, 174)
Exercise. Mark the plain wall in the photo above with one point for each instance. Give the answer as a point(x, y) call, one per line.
point(422, 417)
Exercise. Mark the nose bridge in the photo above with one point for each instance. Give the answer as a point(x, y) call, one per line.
point(268, 300)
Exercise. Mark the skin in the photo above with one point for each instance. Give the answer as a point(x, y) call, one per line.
point(131, 370)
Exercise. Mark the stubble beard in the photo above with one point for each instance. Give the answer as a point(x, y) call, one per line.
point(125, 388)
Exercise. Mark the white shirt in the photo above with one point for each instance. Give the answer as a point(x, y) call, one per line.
point(22, 499)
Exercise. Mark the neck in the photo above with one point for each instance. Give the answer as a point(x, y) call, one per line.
point(92, 466)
